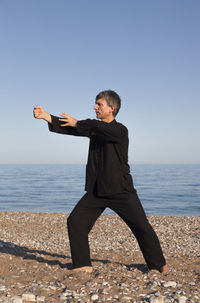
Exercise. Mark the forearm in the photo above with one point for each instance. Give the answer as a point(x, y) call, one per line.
point(47, 118)
point(57, 127)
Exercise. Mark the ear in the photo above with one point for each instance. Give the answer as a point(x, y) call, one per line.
point(112, 108)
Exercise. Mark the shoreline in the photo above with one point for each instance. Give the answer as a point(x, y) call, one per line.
point(35, 259)
point(106, 214)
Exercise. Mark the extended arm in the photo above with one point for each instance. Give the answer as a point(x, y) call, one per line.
point(66, 125)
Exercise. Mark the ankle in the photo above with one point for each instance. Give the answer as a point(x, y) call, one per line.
point(164, 270)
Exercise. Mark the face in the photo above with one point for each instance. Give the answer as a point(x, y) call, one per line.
point(103, 110)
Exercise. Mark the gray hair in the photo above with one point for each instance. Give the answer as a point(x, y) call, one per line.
point(112, 99)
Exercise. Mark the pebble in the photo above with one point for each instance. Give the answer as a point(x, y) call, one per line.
point(40, 299)
point(62, 297)
point(18, 300)
point(68, 292)
point(28, 297)
point(170, 284)
point(182, 299)
point(94, 297)
point(115, 281)
point(159, 299)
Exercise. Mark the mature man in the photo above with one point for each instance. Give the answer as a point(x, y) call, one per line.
point(108, 182)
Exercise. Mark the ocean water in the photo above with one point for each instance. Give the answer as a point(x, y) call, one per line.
point(162, 189)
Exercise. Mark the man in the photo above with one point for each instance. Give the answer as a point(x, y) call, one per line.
point(108, 182)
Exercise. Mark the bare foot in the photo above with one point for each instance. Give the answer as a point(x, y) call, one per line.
point(84, 269)
point(164, 269)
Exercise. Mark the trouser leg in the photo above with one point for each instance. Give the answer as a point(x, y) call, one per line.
point(129, 208)
point(79, 223)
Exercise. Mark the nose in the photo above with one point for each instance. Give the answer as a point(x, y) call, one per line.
point(95, 107)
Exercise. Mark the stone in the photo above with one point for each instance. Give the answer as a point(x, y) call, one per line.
point(17, 300)
point(182, 299)
point(28, 297)
point(63, 297)
point(40, 299)
point(159, 299)
point(170, 284)
point(94, 297)
point(68, 292)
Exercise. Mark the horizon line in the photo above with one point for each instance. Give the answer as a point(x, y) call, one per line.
point(140, 163)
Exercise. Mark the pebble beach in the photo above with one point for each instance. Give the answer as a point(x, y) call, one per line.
point(35, 261)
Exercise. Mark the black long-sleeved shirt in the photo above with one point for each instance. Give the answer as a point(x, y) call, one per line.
point(107, 167)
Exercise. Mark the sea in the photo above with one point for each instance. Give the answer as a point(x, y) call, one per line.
point(170, 190)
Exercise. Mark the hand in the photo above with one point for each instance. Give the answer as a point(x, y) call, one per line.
point(39, 112)
point(70, 121)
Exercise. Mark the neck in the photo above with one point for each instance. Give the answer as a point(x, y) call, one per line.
point(108, 119)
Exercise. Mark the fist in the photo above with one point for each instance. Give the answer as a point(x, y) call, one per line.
point(38, 112)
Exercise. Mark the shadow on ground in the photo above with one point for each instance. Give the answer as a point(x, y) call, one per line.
point(34, 254)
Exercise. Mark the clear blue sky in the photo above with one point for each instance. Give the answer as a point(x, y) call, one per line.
point(61, 53)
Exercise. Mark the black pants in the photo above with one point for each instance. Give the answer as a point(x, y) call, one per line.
point(129, 208)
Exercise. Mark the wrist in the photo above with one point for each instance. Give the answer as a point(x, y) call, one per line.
point(47, 117)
